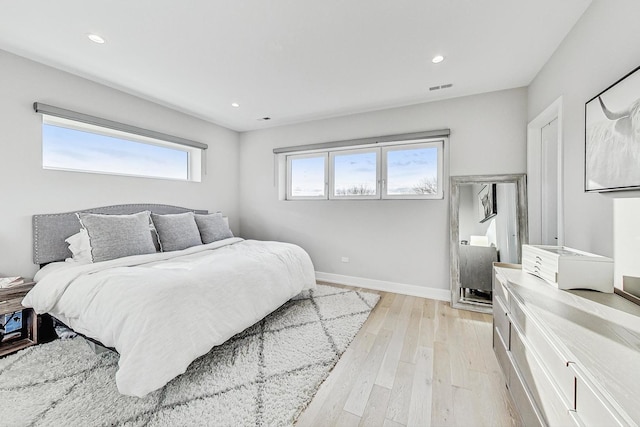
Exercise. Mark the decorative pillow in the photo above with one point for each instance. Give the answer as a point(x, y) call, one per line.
point(117, 236)
point(80, 247)
point(213, 227)
point(176, 231)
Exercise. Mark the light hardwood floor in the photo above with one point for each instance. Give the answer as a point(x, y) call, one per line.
point(415, 362)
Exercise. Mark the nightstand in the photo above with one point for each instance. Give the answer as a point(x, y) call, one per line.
point(10, 302)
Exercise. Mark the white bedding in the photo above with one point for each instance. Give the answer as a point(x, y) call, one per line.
point(161, 311)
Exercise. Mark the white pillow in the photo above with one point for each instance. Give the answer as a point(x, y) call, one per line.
point(80, 247)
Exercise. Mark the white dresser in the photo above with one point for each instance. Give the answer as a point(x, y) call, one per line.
point(568, 357)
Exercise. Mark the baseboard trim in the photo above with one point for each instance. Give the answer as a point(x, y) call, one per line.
point(381, 285)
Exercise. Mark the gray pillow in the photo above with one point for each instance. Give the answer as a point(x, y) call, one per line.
point(117, 236)
point(213, 227)
point(176, 231)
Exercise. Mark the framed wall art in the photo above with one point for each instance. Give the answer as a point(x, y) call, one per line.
point(612, 137)
point(487, 202)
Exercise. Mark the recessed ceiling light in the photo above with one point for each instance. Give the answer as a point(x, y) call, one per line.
point(235, 104)
point(437, 59)
point(95, 38)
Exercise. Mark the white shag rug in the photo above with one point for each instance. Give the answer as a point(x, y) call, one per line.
point(264, 376)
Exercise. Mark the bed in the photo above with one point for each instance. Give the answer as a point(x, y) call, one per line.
point(159, 309)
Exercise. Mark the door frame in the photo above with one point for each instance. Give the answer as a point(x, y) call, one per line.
point(534, 171)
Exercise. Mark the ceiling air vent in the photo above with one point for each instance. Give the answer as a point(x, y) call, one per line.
point(446, 86)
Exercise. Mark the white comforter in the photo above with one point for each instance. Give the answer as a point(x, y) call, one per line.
point(162, 311)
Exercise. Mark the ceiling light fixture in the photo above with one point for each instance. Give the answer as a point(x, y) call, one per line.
point(95, 38)
point(437, 59)
point(235, 104)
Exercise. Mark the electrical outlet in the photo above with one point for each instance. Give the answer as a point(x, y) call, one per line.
point(345, 259)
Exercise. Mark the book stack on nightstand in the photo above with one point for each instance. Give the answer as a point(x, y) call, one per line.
point(18, 325)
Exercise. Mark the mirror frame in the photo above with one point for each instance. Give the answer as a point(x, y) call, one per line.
point(522, 225)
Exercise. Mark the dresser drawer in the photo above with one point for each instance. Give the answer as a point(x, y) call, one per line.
point(500, 349)
point(499, 289)
point(549, 356)
point(518, 316)
point(524, 402)
point(591, 407)
point(554, 409)
point(501, 321)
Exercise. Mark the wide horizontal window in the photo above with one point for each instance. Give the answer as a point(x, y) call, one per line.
point(80, 147)
point(394, 170)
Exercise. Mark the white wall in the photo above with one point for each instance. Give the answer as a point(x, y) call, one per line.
point(601, 48)
point(404, 242)
point(627, 239)
point(507, 222)
point(468, 216)
point(469, 213)
point(27, 189)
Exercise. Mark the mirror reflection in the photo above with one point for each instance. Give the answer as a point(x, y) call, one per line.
point(486, 230)
point(487, 235)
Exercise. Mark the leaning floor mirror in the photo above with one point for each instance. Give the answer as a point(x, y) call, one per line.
point(488, 224)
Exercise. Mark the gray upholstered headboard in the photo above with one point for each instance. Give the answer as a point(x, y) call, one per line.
point(50, 230)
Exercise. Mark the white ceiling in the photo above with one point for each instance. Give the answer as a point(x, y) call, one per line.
point(291, 60)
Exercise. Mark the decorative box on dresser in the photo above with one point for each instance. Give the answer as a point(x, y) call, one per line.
point(568, 357)
point(10, 302)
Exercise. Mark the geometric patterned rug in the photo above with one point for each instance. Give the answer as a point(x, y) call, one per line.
point(264, 376)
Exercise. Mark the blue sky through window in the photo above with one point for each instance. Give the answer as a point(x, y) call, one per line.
point(412, 168)
point(411, 172)
point(71, 149)
point(355, 173)
point(307, 176)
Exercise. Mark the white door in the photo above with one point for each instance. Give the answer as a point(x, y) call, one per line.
point(549, 183)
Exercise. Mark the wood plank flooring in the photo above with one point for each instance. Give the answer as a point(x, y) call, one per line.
point(415, 362)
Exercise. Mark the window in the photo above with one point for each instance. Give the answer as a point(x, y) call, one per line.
point(412, 171)
point(307, 176)
point(79, 146)
point(391, 170)
point(354, 174)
